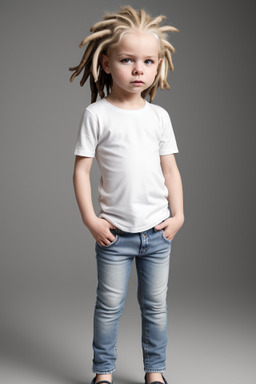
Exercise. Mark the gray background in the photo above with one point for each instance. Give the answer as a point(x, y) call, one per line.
point(48, 271)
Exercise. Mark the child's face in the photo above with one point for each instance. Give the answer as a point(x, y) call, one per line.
point(133, 63)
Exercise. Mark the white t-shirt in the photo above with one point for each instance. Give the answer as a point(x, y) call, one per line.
point(128, 145)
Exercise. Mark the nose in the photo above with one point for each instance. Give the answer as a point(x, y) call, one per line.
point(138, 69)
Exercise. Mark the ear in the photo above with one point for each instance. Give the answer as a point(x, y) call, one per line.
point(105, 63)
point(159, 65)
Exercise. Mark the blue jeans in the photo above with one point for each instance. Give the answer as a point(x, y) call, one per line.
point(151, 251)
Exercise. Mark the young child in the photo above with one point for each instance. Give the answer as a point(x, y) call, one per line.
point(141, 198)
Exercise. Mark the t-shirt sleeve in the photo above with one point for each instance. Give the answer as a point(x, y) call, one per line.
point(87, 136)
point(168, 144)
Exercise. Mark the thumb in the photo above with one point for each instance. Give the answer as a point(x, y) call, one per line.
point(160, 226)
point(111, 226)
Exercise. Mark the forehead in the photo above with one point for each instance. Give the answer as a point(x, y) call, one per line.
point(138, 42)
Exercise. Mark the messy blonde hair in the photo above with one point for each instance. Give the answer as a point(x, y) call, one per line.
point(107, 33)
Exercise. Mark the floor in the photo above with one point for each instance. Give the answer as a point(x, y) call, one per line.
point(48, 340)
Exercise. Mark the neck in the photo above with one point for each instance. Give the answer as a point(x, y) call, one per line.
point(131, 101)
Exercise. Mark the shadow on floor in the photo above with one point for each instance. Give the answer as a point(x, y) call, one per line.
point(36, 357)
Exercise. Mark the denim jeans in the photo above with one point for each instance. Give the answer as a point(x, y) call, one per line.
point(151, 251)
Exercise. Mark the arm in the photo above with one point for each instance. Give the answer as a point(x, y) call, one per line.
point(175, 196)
point(99, 228)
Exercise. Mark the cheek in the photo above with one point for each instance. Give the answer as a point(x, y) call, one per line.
point(153, 72)
point(120, 73)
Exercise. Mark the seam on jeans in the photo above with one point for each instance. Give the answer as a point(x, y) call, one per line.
point(147, 246)
point(103, 372)
point(155, 370)
point(116, 348)
point(144, 322)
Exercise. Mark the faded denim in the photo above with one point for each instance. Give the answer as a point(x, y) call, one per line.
point(151, 251)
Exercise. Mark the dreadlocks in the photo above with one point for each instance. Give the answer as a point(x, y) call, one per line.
point(107, 33)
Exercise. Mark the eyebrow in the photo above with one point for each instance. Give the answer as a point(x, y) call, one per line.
point(131, 54)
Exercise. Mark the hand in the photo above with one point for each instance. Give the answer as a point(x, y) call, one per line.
point(100, 229)
point(170, 226)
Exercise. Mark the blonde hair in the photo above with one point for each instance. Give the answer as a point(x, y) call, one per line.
point(107, 33)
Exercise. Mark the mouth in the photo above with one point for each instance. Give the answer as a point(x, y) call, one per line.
point(138, 82)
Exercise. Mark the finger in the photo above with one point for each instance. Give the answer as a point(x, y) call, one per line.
point(109, 240)
point(160, 226)
point(104, 242)
point(112, 238)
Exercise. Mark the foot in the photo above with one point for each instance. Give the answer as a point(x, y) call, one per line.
point(154, 376)
point(107, 377)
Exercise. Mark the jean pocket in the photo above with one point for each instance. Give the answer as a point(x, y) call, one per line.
point(165, 238)
point(111, 244)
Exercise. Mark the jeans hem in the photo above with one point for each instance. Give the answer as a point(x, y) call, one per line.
point(152, 370)
point(103, 372)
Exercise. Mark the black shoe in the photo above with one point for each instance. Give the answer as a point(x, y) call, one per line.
point(101, 382)
point(155, 382)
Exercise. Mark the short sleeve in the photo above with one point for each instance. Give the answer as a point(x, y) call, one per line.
point(87, 136)
point(168, 144)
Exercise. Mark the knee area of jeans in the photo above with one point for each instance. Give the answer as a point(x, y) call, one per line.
point(110, 302)
point(156, 300)
point(155, 307)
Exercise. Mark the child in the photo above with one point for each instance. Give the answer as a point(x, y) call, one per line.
point(134, 144)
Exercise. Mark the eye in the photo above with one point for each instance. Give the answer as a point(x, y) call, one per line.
point(149, 61)
point(126, 61)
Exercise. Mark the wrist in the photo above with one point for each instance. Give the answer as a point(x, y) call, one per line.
point(179, 218)
point(90, 222)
